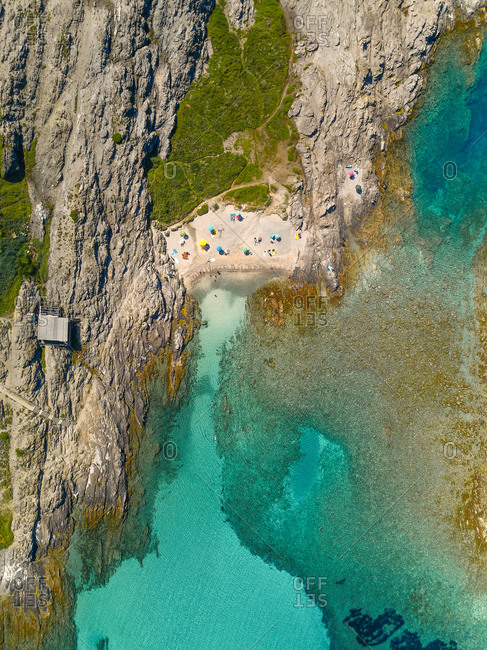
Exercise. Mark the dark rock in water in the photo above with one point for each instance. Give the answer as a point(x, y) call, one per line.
point(102, 644)
point(340, 582)
point(411, 641)
point(374, 631)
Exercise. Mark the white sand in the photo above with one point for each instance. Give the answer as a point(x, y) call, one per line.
point(234, 236)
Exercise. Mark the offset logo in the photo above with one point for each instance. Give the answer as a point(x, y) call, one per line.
point(309, 311)
point(312, 29)
point(31, 592)
point(305, 588)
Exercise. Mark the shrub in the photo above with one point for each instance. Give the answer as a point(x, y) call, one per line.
point(202, 210)
point(14, 219)
point(253, 196)
point(117, 138)
point(6, 534)
point(241, 88)
point(252, 172)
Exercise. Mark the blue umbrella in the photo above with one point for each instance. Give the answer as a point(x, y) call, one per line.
point(219, 249)
point(272, 236)
point(210, 228)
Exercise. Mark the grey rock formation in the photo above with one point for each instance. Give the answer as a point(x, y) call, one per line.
point(73, 73)
point(241, 13)
point(359, 64)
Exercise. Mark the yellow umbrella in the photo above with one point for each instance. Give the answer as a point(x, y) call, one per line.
point(203, 243)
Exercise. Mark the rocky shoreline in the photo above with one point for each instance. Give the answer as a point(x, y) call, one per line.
point(74, 74)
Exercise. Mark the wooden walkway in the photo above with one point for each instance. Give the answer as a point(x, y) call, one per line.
point(32, 407)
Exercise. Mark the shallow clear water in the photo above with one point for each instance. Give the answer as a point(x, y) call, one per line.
point(345, 451)
point(202, 589)
point(391, 384)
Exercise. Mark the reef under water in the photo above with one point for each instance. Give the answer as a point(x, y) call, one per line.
point(358, 430)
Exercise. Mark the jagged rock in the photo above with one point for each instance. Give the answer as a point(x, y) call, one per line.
point(241, 13)
point(355, 75)
point(90, 69)
point(13, 159)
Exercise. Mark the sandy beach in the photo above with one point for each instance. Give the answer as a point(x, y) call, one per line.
point(233, 236)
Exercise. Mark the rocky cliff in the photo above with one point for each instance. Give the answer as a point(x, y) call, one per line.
point(76, 73)
point(361, 65)
point(72, 74)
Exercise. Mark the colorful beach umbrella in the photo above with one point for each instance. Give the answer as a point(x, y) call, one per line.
point(245, 250)
point(219, 249)
point(203, 243)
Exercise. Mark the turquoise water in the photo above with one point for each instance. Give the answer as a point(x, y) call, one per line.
point(345, 452)
point(202, 588)
point(343, 433)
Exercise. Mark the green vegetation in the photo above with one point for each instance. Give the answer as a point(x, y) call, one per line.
point(252, 172)
point(203, 209)
point(117, 138)
point(74, 215)
point(14, 221)
point(43, 254)
point(20, 452)
point(5, 483)
point(252, 196)
point(240, 92)
point(277, 128)
point(6, 534)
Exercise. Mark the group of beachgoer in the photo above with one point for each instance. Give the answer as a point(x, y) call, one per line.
point(205, 246)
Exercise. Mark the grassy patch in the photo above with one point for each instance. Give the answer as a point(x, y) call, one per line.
point(252, 172)
point(117, 138)
point(241, 89)
point(253, 196)
point(171, 193)
point(212, 176)
point(277, 128)
point(6, 534)
point(14, 221)
point(43, 255)
point(266, 52)
point(202, 210)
